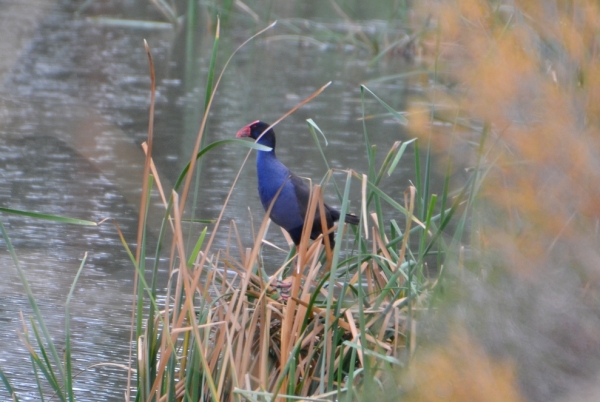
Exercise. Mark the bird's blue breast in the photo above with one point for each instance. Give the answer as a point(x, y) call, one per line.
point(272, 174)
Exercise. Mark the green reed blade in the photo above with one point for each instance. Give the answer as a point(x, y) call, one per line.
point(48, 217)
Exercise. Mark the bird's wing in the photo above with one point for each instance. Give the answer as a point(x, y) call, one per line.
point(302, 193)
point(303, 196)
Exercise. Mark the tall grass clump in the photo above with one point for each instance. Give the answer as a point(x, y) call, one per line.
point(53, 373)
point(226, 333)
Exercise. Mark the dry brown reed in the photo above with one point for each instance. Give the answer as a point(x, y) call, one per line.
point(250, 341)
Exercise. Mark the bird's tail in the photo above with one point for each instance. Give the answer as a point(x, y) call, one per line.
point(335, 216)
point(352, 219)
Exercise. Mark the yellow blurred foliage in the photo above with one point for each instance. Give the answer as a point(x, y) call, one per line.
point(530, 71)
point(458, 372)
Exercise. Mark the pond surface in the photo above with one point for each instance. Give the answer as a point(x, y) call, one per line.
point(74, 110)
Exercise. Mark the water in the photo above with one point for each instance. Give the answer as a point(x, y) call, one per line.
point(73, 113)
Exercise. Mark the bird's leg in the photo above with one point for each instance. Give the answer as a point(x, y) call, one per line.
point(283, 287)
point(283, 284)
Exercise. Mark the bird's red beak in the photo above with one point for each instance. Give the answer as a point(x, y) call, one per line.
point(244, 132)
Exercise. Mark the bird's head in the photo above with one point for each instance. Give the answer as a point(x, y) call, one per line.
point(254, 131)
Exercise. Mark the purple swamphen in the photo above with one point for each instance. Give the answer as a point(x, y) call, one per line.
point(289, 209)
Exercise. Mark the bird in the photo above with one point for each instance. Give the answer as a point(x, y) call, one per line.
point(290, 206)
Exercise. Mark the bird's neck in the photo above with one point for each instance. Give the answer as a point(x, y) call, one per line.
point(266, 157)
point(271, 174)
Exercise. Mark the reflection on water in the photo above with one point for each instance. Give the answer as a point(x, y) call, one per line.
point(74, 111)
